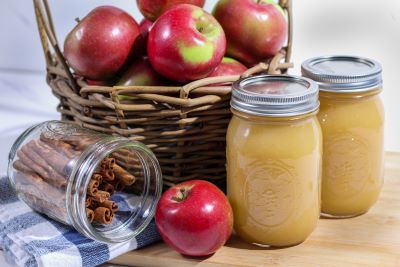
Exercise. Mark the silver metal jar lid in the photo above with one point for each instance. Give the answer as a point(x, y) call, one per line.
point(343, 73)
point(275, 95)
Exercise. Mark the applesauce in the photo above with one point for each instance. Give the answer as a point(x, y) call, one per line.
point(352, 121)
point(274, 159)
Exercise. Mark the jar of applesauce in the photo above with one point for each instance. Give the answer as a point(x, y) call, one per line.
point(274, 159)
point(351, 117)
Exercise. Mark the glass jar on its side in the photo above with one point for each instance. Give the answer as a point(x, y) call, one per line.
point(106, 187)
point(274, 160)
point(352, 121)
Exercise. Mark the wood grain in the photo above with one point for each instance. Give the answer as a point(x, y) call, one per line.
point(372, 239)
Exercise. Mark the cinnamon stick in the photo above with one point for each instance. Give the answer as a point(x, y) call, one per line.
point(107, 187)
point(118, 185)
point(98, 177)
point(100, 196)
point(65, 148)
point(103, 215)
point(57, 161)
point(93, 187)
point(108, 174)
point(36, 163)
point(109, 204)
point(123, 161)
point(19, 166)
point(88, 202)
point(30, 181)
point(125, 177)
point(107, 163)
point(93, 203)
point(126, 155)
point(80, 143)
point(90, 215)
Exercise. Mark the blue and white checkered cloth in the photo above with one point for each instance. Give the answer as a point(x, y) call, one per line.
point(31, 239)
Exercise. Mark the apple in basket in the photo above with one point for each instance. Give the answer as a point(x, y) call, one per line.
point(228, 66)
point(186, 43)
point(101, 43)
point(140, 72)
point(152, 9)
point(255, 30)
point(145, 26)
point(98, 83)
point(194, 218)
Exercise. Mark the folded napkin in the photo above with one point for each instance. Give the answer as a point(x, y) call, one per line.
point(32, 239)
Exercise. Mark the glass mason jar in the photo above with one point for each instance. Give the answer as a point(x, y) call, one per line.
point(106, 187)
point(352, 121)
point(274, 159)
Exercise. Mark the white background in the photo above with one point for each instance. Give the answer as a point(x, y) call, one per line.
point(369, 28)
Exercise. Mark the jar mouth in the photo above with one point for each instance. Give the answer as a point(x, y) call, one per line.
point(136, 203)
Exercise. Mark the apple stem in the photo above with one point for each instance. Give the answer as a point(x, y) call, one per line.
point(183, 195)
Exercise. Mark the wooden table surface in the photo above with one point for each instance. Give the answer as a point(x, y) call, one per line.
point(372, 239)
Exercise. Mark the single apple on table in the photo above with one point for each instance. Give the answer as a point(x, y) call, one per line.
point(194, 218)
point(255, 29)
point(186, 43)
point(152, 9)
point(101, 43)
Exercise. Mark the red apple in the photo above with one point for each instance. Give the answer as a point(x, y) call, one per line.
point(255, 30)
point(140, 72)
point(98, 83)
point(152, 9)
point(186, 43)
point(194, 218)
point(101, 43)
point(227, 67)
point(144, 26)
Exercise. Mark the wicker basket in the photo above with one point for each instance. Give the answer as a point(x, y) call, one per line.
point(184, 126)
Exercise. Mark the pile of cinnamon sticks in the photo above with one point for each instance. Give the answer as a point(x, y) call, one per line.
point(108, 178)
point(43, 168)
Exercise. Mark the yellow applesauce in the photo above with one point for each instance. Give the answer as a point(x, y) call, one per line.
point(274, 146)
point(352, 126)
point(352, 121)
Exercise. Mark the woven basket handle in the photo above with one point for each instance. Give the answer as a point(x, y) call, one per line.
point(48, 36)
point(287, 5)
point(272, 68)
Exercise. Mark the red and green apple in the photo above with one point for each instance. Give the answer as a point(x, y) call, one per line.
point(186, 43)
